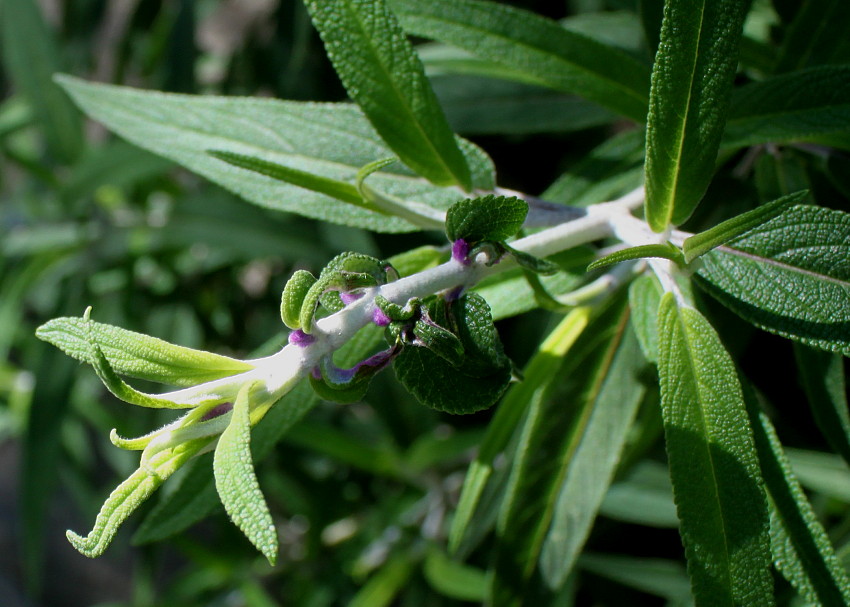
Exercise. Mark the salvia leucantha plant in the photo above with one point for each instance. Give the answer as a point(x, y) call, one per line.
point(606, 260)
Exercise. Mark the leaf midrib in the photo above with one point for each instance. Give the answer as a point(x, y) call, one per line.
point(784, 266)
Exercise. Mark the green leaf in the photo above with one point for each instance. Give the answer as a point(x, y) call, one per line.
point(30, 57)
point(812, 105)
point(613, 405)
point(137, 355)
point(713, 463)
point(474, 385)
point(383, 587)
point(822, 375)
point(543, 51)
point(665, 251)
point(236, 480)
point(700, 244)
point(789, 276)
point(130, 494)
point(817, 35)
point(539, 375)
point(453, 579)
point(383, 75)
point(491, 218)
point(655, 576)
point(531, 263)
point(330, 187)
point(644, 298)
point(691, 83)
point(801, 548)
point(329, 140)
point(292, 298)
point(644, 497)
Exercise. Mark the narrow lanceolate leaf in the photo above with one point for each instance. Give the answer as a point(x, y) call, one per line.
point(702, 243)
point(540, 49)
point(130, 494)
point(538, 377)
point(714, 468)
point(691, 82)
point(801, 548)
point(790, 276)
point(595, 456)
point(811, 105)
point(236, 481)
point(644, 299)
point(664, 251)
point(328, 140)
point(137, 355)
point(384, 76)
point(822, 375)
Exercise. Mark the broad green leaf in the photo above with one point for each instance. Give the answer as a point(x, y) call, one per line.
point(538, 377)
point(700, 244)
point(454, 579)
point(329, 140)
point(822, 375)
point(489, 218)
point(545, 52)
point(801, 548)
point(713, 463)
point(130, 494)
point(553, 428)
point(236, 481)
point(789, 276)
point(31, 57)
point(811, 105)
point(691, 83)
point(594, 457)
point(383, 75)
point(665, 251)
point(644, 299)
point(137, 355)
point(817, 35)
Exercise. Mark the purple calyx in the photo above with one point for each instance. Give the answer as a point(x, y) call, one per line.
point(460, 251)
point(348, 298)
point(364, 369)
point(300, 338)
point(380, 318)
point(217, 411)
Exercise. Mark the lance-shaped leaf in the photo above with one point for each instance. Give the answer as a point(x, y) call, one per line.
point(809, 105)
point(130, 494)
point(801, 548)
point(539, 375)
point(663, 250)
point(137, 355)
point(644, 299)
point(236, 480)
point(790, 276)
point(383, 75)
point(714, 468)
point(702, 243)
point(539, 49)
point(691, 83)
point(329, 140)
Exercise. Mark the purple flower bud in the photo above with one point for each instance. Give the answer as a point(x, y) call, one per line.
point(379, 318)
point(460, 251)
point(348, 298)
point(300, 338)
point(217, 411)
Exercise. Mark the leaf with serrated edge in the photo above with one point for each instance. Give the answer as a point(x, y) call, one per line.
point(137, 355)
point(789, 276)
point(691, 84)
point(330, 140)
point(540, 49)
point(700, 244)
point(384, 76)
point(236, 480)
point(714, 468)
point(487, 218)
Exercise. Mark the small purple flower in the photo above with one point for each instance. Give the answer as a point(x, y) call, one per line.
point(380, 318)
point(460, 251)
point(300, 338)
point(348, 298)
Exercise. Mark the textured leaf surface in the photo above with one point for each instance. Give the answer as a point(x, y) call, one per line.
point(664, 251)
point(713, 464)
point(236, 481)
point(137, 355)
point(790, 276)
point(801, 548)
point(691, 83)
point(382, 73)
point(644, 299)
point(543, 51)
point(331, 140)
point(489, 218)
